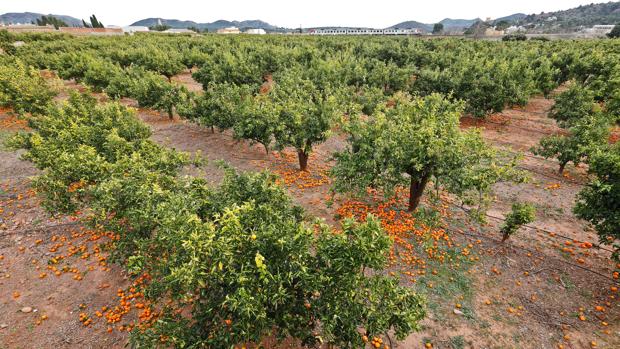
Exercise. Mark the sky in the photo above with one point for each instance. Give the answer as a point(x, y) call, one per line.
point(290, 14)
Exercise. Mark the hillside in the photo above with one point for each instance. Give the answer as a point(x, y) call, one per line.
point(29, 17)
point(413, 25)
point(175, 23)
point(558, 21)
point(514, 18)
point(582, 16)
point(457, 24)
point(448, 23)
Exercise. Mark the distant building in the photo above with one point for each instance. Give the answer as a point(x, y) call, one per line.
point(135, 29)
point(80, 31)
point(178, 31)
point(258, 31)
point(229, 30)
point(603, 29)
point(514, 29)
point(364, 31)
point(599, 30)
point(493, 32)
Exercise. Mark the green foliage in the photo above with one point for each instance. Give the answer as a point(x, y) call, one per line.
point(239, 259)
point(437, 28)
point(23, 89)
point(419, 137)
point(99, 74)
point(514, 37)
point(218, 106)
point(166, 63)
point(581, 16)
point(153, 91)
point(306, 117)
point(291, 112)
point(615, 32)
point(493, 76)
point(272, 275)
point(572, 105)
point(94, 23)
point(583, 137)
point(502, 25)
point(598, 201)
point(521, 214)
point(159, 27)
point(79, 142)
point(258, 119)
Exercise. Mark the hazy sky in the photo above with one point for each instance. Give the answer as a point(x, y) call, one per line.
point(308, 13)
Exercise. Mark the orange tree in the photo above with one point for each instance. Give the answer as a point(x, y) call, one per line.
point(520, 214)
point(598, 201)
point(294, 112)
point(584, 135)
point(242, 263)
point(307, 114)
point(229, 265)
point(411, 140)
point(573, 104)
point(22, 88)
point(251, 116)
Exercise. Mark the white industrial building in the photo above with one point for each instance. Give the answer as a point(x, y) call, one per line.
point(258, 31)
point(598, 30)
point(515, 29)
point(342, 31)
point(131, 29)
point(178, 31)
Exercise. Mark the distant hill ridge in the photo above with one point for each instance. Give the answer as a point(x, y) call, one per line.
point(175, 23)
point(585, 15)
point(30, 17)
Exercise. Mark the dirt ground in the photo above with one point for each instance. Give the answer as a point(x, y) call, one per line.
point(539, 290)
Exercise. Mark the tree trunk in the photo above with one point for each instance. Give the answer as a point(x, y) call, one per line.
point(562, 166)
point(170, 113)
point(505, 237)
point(416, 190)
point(303, 160)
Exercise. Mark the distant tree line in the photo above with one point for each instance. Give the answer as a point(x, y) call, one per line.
point(615, 33)
point(159, 27)
point(94, 23)
point(51, 20)
point(57, 22)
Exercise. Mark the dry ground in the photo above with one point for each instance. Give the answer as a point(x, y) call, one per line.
point(528, 293)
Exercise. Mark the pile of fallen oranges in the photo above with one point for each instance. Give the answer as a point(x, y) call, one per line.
point(415, 243)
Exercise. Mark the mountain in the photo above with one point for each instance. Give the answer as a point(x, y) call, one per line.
point(585, 15)
point(412, 25)
point(558, 21)
point(175, 23)
point(456, 24)
point(448, 24)
point(514, 18)
point(29, 17)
